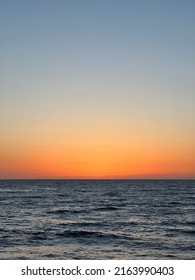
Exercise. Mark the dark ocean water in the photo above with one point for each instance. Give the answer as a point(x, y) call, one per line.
point(89, 219)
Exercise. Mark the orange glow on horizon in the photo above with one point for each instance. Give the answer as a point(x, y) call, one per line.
point(102, 153)
point(97, 163)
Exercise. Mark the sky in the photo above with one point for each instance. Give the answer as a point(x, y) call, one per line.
point(97, 89)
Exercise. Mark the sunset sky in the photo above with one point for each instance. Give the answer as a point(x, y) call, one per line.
point(97, 89)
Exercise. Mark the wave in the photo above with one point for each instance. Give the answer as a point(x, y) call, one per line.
point(93, 234)
point(64, 211)
point(183, 231)
point(107, 208)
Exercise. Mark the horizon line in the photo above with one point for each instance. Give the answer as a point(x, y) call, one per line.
point(100, 179)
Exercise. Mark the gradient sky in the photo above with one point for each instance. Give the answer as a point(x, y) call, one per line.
point(97, 89)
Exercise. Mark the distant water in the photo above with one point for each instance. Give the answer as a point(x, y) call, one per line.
point(89, 219)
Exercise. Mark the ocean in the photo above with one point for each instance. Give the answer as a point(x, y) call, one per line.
point(97, 219)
